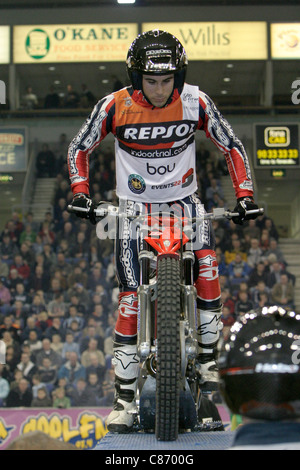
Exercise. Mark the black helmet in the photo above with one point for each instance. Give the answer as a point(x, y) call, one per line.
point(157, 53)
point(259, 366)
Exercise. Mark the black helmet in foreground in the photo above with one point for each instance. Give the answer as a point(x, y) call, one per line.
point(259, 366)
point(156, 52)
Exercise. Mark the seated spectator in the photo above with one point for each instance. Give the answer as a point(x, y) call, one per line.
point(45, 162)
point(264, 241)
point(80, 307)
point(29, 100)
point(282, 293)
point(4, 269)
point(236, 248)
point(4, 387)
point(48, 373)
point(20, 294)
point(257, 291)
point(264, 300)
point(227, 300)
point(57, 344)
point(8, 248)
point(95, 367)
point(88, 333)
point(94, 384)
point(238, 270)
point(275, 250)
point(11, 360)
point(275, 271)
point(84, 396)
point(33, 342)
point(259, 273)
point(270, 226)
point(71, 98)
point(20, 396)
point(73, 315)
point(81, 292)
point(36, 384)
point(21, 266)
point(72, 370)
point(251, 229)
point(81, 247)
point(52, 99)
point(43, 321)
point(227, 317)
point(27, 367)
point(28, 235)
point(243, 304)
point(38, 304)
point(92, 349)
point(69, 345)
point(19, 313)
point(87, 98)
point(75, 330)
point(42, 400)
point(47, 351)
point(60, 400)
point(5, 297)
point(57, 307)
point(255, 254)
point(8, 325)
point(56, 328)
point(46, 234)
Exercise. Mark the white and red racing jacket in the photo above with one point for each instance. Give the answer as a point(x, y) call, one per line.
point(155, 147)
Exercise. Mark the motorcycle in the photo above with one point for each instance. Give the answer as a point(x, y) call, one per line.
point(169, 397)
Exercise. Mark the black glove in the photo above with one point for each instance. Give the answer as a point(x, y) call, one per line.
point(244, 204)
point(83, 201)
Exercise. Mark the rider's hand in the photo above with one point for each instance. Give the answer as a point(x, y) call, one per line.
point(83, 201)
point(244, 204)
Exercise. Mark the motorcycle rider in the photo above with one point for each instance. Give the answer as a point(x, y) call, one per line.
point(260, 380)
point(154, 123)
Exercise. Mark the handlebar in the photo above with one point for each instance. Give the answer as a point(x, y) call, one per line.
point(111, 210)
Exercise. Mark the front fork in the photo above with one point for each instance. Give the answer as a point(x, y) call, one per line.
point(147, 294)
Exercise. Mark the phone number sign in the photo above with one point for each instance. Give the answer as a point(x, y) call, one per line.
point(276, 145)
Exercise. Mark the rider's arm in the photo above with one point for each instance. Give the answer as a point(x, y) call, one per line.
point(93, 131)
point(221, 134)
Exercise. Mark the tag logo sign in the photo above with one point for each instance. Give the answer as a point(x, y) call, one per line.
point(2, 92)
point(277, 136)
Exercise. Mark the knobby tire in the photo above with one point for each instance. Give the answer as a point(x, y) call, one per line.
point(168, 372)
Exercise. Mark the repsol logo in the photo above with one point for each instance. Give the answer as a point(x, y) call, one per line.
point(160, 170)
point(154, 134)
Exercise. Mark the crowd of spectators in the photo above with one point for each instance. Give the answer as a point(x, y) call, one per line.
point(59, 293)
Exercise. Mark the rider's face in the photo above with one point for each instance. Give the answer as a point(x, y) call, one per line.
point(158, 88)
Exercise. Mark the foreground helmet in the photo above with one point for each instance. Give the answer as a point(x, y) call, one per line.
point(260, 365)
point(156, 53)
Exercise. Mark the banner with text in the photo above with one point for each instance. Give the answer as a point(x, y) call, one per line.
point(72, 43)
point(13, 149)
point(4, 45)
point(245, 40)
point(83, 427)
point(276, 145)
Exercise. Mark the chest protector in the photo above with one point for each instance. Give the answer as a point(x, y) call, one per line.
point(155, 148)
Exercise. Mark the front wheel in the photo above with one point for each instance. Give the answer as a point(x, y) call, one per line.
point(168, 373)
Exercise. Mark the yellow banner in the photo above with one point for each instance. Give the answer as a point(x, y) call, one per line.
point(285, 40)
point(72, 43)
point(4, 45)
point(245, 40)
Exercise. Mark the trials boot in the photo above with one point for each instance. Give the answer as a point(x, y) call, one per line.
point(126, 363)
point(208, 333)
